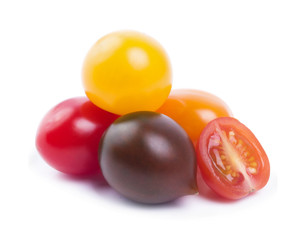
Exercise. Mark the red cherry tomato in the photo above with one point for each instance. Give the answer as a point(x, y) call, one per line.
point(69, 135)
point(231, 159)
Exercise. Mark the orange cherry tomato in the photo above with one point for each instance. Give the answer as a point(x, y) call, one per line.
point(193, 110)
point(127, 71)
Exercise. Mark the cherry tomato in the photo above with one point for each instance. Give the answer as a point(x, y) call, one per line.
point(149, 158)
point(127, 71)
point(193, 109)
point(231, 159)
point(69, 135)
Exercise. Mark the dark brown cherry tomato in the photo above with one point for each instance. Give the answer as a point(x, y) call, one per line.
point(149, 158)
point(69, 135)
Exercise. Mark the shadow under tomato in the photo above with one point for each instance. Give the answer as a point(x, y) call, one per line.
point(96, 180)
point(98, 183)
point(170, 204)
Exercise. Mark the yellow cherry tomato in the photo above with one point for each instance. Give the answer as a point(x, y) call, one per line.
point(127, 71)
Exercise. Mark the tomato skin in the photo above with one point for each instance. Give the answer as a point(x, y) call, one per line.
point(209, 169)
point(69, 135)
point(127, 71)
point(148, 158)
point(193, 109)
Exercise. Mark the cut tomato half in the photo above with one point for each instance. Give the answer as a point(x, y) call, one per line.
point(231, 160)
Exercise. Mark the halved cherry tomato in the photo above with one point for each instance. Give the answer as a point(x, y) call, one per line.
point(231, 159)
point(193, 109)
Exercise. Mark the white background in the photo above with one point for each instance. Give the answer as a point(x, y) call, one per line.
point(249, 53)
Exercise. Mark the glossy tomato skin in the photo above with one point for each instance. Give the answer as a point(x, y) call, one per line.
point(148, 158)
point(69, 135)
point(127, 71)
point(193, 110)
point(231, 160)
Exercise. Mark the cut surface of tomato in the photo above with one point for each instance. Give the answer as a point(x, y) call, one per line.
point(231, 160)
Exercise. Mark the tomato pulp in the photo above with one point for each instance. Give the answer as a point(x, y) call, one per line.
point(231, 160)
point(193, 109)
point(69, 135)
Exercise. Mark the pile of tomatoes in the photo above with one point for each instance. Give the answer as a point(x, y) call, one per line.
point(146, 139)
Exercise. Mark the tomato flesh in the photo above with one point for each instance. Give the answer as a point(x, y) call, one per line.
point(231, 159)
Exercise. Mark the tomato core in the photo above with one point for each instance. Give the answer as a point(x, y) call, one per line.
point(232, 157)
